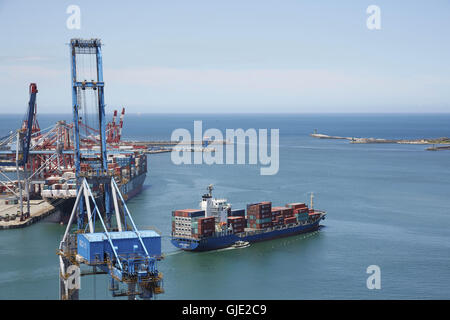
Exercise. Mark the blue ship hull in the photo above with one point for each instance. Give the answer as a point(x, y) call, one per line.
point(223, 241)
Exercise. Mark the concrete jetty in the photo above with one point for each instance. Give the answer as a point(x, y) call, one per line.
point(10, 219)
point(422, 141)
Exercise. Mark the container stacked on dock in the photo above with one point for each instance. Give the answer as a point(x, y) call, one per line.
point(11, 200)
point(60, 186)
point(129, 168)
point(259, 215)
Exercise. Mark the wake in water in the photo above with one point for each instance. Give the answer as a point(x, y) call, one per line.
point(172, 253)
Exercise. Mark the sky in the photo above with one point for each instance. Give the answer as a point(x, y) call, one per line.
point(217, 56)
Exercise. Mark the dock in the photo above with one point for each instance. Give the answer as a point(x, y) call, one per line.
point(162, 143)
point(325, 136)
point(39, 209)
point(185, 149)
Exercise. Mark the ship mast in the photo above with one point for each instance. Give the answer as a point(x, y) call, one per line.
point(210, 189)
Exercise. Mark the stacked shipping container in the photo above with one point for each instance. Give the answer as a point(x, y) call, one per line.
point(259, 215)
point(300, 211)
point(127, 167)
point(184, 222)
point(206, 227)
point(237, 223)
point(237, 213)
point(192, 223)
point(313, 214)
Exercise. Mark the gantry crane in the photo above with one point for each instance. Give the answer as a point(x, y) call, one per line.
point(128, 255)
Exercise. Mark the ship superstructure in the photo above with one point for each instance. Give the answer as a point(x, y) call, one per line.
point(218, 208)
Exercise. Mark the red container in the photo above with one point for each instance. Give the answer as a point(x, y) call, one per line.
point(207, 220)
point(290, 220)
point(301, 210)
point(263, 225)
point(234, 220)
point(206, 225)
point(287, 212)
point(296, 205)
point(266, 205)
point(261, 207)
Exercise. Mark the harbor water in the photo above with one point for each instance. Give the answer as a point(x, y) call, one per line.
point(387, 204)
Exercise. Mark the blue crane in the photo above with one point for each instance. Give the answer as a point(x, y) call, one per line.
point(23, 150)
point(88, 105)
point(119, 249)
point(29, 124)
point(24, 134)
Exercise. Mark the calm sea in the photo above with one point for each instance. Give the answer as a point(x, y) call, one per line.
point(388, 205)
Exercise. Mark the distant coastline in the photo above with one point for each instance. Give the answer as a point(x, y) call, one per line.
point(423, 141)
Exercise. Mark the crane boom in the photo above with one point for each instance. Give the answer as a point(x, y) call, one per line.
point(29, 124)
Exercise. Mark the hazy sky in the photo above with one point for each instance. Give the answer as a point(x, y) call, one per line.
point(234, 56)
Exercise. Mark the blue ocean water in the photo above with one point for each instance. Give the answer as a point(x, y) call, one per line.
point(387, 205)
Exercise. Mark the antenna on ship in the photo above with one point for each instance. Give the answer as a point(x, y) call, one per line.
point(312, 201)
point(210, 189)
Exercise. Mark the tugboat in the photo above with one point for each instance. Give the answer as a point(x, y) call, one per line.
point(241, 244)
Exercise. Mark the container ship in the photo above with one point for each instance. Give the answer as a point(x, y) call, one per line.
point(216, 225)
point(127, 164)
point(129, 169)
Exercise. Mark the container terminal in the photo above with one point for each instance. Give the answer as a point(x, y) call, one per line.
point(43, 164)
point(83, 170)
point(216, 225)
point(38, 170)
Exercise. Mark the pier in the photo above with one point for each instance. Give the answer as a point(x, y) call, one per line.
point(149, 144)
point(433, 148)
point(422, 141)
point(10, 214)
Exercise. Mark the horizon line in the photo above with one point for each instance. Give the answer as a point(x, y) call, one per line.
point(239, 113)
